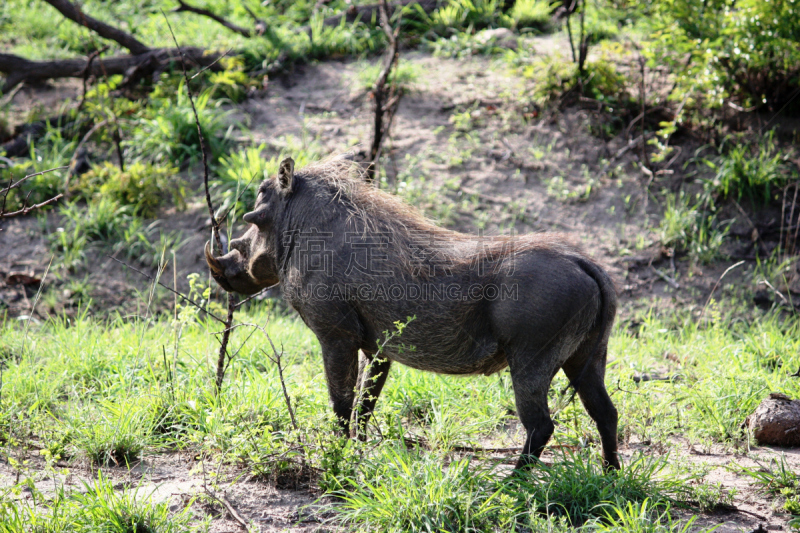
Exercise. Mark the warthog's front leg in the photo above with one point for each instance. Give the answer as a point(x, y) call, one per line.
point(341, 370)
point(372, 380)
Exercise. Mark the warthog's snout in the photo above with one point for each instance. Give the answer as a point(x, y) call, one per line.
point(230, 270)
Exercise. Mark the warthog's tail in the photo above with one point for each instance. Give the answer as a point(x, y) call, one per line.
point(608, 308)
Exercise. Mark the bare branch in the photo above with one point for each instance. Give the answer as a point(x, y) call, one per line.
point(74, 13)
point(183, 6)
point(15, 185)
point(86, 71)
point(28, 209)
point(214, 222)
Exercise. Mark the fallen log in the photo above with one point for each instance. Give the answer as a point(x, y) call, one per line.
point(19, 70)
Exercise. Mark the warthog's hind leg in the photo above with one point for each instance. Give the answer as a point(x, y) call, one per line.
point(592, 392)
point(372, 380)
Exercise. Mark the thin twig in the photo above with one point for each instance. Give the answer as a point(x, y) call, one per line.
point(15, 185)
point(221, 499)
point(277, 361)
point(215, 228)
point(183, 6)
point(217, 60)
point(669, 281)
point(214, 223)
point(87, 71)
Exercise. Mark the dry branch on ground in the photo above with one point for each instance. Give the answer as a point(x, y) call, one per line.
point(19, 70)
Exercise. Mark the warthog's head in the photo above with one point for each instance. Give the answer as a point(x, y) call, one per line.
point(251, 264)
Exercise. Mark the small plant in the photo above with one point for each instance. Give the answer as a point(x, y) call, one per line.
point(691, 228)
point(101, 508)
point(776, 478)
point(464, 14)
point(577, 487)
point(752, 170)
point(644, 517)
point(534, 14)
point(232, 82)
point(116, 437)
point(404, 75)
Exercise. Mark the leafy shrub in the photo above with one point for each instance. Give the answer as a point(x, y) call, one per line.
point(143, 186)
point(743, 49)
point(552, 76)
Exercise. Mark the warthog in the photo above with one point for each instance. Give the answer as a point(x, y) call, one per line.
point(354, 260)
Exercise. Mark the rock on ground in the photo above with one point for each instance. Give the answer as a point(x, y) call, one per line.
point(776, 421)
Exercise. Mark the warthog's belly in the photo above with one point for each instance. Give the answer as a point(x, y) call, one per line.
point(470, 356)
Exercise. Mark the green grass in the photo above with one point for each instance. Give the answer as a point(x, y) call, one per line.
point(145, 395)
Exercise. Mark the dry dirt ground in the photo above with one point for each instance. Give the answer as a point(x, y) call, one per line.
point(504, 170)
point(178, 478)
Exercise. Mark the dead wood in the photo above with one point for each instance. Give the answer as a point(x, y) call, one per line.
point(74, 13)
point(19, 70)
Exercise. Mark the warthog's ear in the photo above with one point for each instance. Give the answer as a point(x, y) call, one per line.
point(286, 175)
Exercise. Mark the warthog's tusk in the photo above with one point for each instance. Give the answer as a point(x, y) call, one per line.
point(213, 262)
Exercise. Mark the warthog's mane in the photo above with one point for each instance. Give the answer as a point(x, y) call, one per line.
point(341, 184)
